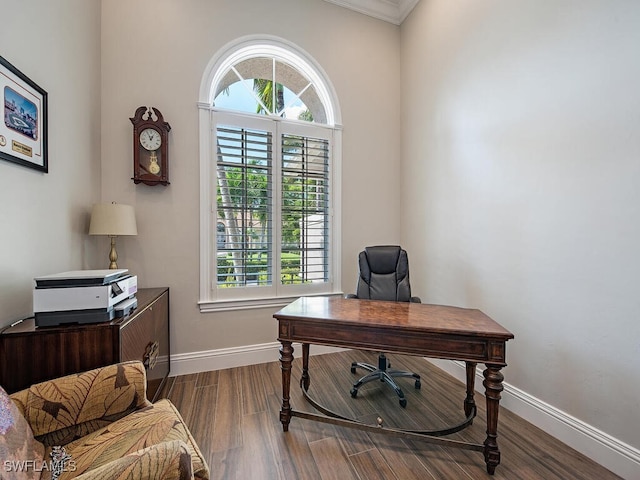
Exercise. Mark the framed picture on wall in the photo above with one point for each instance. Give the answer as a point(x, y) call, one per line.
point(23, 131)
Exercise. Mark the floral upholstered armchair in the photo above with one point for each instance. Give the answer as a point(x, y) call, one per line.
point(95, 425)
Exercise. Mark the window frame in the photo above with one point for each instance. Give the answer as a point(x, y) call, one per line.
point(212, 298)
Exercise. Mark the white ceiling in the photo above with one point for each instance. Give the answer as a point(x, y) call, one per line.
point(393, 11)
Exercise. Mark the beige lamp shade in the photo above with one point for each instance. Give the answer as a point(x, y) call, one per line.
point(113, 219)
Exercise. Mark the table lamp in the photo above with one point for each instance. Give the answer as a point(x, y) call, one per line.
point(113, 219)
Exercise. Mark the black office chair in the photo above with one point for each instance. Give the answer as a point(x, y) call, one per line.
point(384, 275)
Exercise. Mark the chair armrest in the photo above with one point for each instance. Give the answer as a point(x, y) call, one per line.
point(88, 400)
point(164, 461)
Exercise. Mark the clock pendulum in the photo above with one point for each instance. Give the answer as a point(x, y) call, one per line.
point(153, 163)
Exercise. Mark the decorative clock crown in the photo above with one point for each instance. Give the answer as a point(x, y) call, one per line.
point(150, 112)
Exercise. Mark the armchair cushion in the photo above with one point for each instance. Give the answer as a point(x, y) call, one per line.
point(70, 407)
point(165, 461)
point(17, 444)
point(152, 425)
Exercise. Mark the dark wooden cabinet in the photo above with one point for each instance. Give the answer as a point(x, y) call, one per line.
point(30, 354)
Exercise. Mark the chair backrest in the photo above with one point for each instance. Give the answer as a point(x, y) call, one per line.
point(384, 274)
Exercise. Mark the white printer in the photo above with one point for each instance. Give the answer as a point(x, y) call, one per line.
point(83, 296)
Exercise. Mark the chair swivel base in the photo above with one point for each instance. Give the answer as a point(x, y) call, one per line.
point(383, 374)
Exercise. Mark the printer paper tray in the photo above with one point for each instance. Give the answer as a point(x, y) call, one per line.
point(54, 319)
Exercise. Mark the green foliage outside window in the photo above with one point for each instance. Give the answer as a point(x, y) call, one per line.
point(257, 271)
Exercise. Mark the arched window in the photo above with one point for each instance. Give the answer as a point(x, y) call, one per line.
point(270, 159)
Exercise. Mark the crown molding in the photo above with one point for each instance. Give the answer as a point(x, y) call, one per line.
point(392, 11)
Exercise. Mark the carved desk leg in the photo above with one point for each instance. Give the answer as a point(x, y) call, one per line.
point(469, 403)
point(493, 386)
point(304, 381)
point(286, 357)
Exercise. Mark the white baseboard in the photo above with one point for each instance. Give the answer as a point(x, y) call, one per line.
point(194, 362)
point(619, 457)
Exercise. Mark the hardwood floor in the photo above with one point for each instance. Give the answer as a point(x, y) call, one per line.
point(234, 416)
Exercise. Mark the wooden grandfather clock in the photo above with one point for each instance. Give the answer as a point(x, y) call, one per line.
point(150, 147)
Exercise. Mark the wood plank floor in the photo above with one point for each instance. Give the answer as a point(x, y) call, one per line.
point(234, 416)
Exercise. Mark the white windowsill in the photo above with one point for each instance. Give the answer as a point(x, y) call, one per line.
point(207, 306)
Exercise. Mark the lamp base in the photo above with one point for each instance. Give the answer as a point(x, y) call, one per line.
point(113, 255)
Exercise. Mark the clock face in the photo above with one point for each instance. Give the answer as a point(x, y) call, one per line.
point(150, 139)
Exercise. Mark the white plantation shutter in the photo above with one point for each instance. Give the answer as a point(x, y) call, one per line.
point(273, 222)
point(244, 174)
point(305, 203)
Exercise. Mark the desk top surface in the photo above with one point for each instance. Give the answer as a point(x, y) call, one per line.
point(420, 317)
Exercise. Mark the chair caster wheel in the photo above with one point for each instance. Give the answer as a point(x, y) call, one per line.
point(418, 384)
point(403, 402)
point(353, 369)
point(354, 393)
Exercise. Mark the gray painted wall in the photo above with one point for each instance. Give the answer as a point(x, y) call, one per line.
point(520, 189)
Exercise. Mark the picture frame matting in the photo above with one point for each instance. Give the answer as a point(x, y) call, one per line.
point(23, 130)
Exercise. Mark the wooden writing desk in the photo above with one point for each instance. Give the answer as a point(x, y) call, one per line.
point(398, 327)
